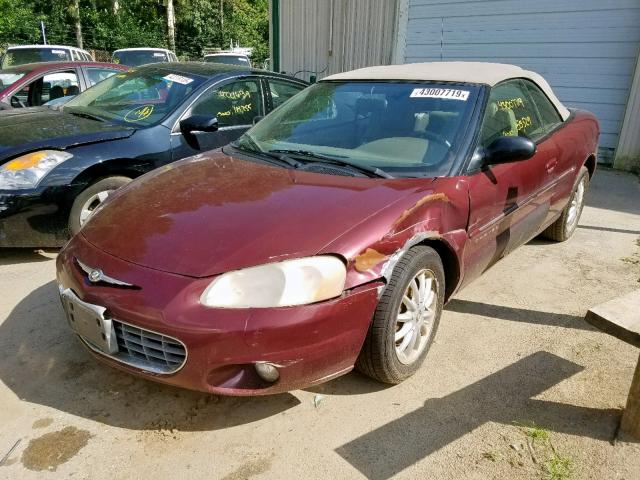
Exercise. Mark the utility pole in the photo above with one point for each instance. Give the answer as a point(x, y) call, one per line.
point(171, 25)
point(75, 11)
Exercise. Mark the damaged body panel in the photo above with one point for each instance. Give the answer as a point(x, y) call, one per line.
point(332, 233)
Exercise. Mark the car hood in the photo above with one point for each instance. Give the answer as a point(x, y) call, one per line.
point(213, 213)
point(27, 129)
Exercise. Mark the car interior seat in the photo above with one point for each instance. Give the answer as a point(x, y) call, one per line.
point(73, 90)
point(498, 122)
point(56, 92)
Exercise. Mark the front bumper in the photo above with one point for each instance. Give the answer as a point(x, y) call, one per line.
point(36, 217)
point(310, 344)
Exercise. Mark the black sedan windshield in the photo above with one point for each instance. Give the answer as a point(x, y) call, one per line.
point(404, 129)
point(139, 97)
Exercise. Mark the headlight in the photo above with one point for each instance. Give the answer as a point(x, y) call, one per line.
point(281, 284)
point(27, 171)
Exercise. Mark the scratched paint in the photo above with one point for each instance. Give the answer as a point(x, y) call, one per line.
point(433, 197)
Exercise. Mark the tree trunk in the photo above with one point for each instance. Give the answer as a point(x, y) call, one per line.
point(171, 25)
point(75, 12)
point(115, 6)
point(221, 16)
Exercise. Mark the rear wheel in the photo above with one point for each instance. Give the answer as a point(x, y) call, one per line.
point(90, 198)
point(406, 319)
point(562, 229)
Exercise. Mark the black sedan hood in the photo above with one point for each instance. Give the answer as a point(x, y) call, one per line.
point(27, 129)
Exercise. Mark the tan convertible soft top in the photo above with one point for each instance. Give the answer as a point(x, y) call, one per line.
point(466, 72)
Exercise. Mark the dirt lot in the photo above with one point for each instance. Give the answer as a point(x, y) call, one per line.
point(512, 352)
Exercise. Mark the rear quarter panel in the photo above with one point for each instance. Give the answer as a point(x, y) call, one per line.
point(575, 142)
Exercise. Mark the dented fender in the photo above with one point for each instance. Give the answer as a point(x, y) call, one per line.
point(437, 212)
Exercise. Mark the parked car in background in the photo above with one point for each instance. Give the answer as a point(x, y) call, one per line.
point(228, 58)
point(134, 57)
point(56, 167)
point(330, 234)
point(35, 84)
point(19, 55)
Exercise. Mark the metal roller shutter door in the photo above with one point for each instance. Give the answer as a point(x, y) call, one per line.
point(586, 49)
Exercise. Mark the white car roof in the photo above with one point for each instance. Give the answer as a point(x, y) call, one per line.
point(464, 72)
point(226, 54)
point(16, 47)
point(137, 49)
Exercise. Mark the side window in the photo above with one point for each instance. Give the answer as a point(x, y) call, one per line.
point(236, 103)
point(95, 75)
point(56, 85)
point(549, 116)
point(510, 112)
point(282, 91)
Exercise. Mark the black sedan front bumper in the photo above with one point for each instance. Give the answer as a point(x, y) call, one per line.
point(36, 217)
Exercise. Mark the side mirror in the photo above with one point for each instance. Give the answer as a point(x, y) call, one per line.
point(257, 119)
point(198, 123)
point(509, 149)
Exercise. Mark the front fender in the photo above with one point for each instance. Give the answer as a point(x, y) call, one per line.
point(438, 212)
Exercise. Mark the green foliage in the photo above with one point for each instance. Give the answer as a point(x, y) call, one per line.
point(139, 23)
point(558, 467)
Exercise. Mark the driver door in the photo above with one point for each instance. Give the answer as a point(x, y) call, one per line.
point(508, 202)
point(235, 104)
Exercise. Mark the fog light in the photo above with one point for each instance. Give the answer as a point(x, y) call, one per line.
point(267, 371)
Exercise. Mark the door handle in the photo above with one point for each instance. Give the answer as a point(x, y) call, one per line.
point(551, 165)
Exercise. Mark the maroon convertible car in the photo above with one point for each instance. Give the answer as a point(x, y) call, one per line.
point(331, 233)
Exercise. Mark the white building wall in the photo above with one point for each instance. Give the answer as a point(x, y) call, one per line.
point(321, 37)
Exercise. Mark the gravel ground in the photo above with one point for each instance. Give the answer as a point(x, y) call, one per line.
point(516, 385)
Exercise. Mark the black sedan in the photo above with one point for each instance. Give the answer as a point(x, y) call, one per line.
point(56, 167)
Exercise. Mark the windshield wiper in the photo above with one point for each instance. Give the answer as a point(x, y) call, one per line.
point(335, 160)
point(90, 116)
point(256, 150)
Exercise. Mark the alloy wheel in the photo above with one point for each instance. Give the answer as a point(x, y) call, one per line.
point(416, 316)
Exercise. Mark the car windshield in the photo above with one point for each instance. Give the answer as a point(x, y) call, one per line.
point(135, 58)
point(139, 97)
point(8, 78)
point(228, 59)
point(405, 129)
point(20, 56)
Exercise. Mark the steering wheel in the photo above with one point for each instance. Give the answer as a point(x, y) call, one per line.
point(18, 101)
point(436, 137)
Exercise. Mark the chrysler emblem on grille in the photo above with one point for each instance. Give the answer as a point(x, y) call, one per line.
point(95, 275)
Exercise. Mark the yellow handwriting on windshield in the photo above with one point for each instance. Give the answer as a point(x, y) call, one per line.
point(138, 114)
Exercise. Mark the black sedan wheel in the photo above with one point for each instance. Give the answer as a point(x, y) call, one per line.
point(85, 204)
point(406, 319)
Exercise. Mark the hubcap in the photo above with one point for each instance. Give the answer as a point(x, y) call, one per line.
point(91, 204)
point(575, 207)
point(416, 316)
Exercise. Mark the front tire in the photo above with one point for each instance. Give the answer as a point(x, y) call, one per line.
point(562, 229)
point(90, 198)
point(406, 319)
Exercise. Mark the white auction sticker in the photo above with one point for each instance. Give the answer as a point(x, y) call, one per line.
point(449, 93)
point(172, 77)
point(58, 52)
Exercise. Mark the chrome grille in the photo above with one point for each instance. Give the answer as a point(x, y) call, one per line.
point(148, 350)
